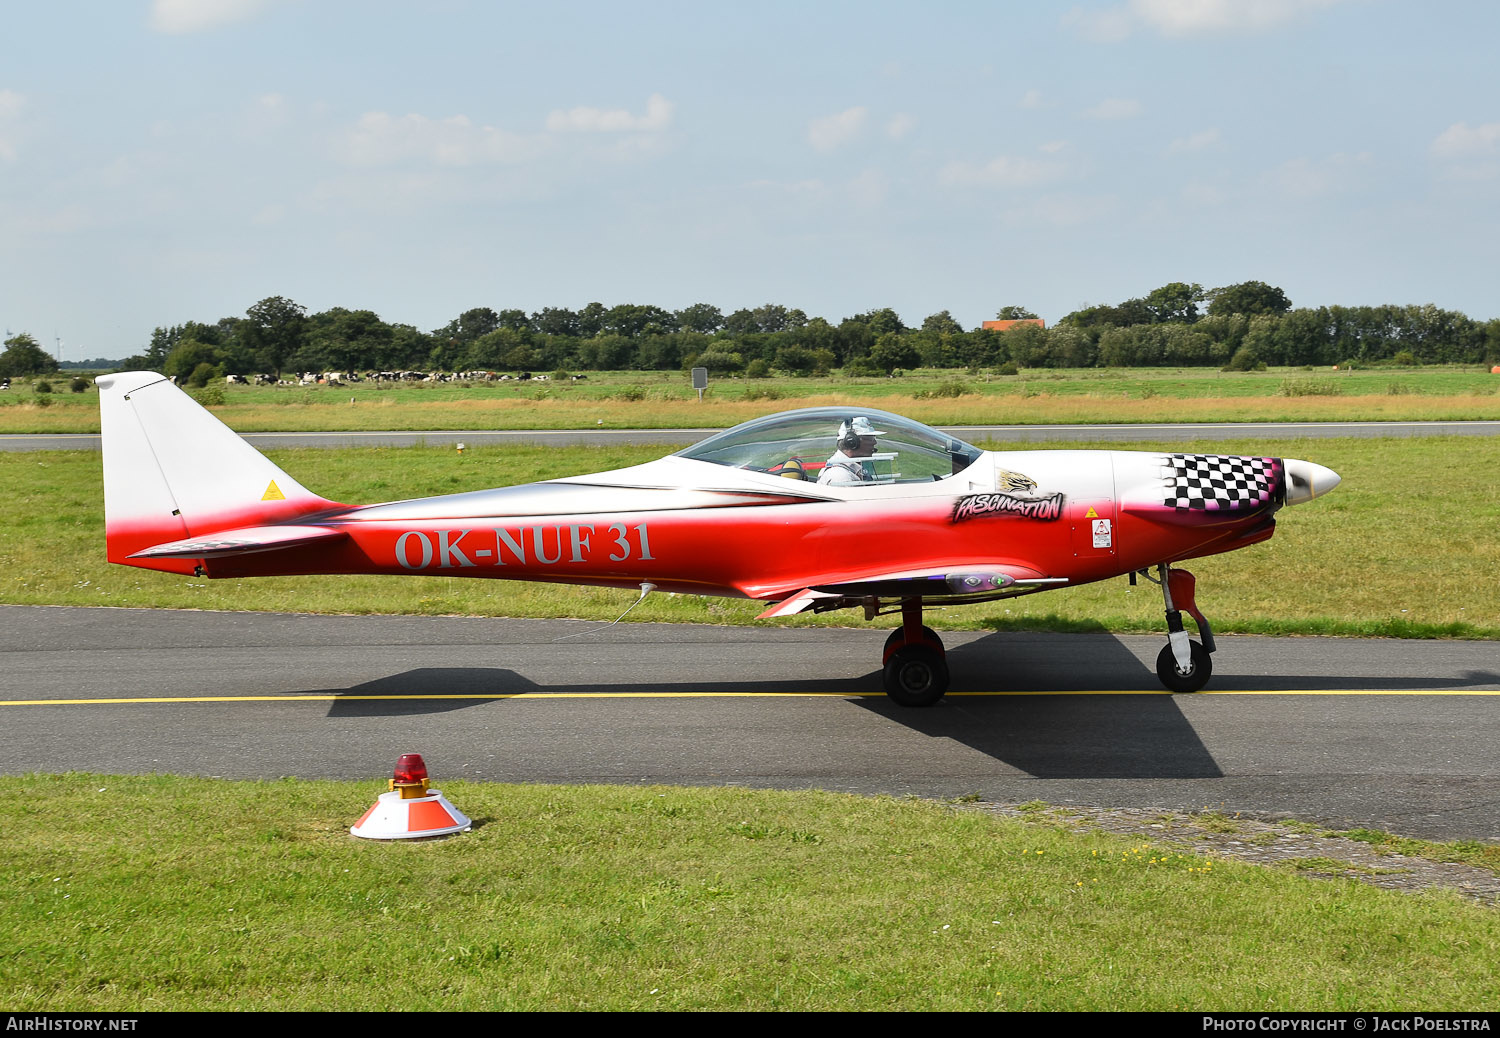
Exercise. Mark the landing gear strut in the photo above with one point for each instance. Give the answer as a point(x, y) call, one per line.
point(916, 669)
point(1183, 665)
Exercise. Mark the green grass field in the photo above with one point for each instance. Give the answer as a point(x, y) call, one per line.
point(1392, 552)
point(166, 893)
point(665, 400)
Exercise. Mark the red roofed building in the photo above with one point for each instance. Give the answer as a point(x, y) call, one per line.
point(1005, 326)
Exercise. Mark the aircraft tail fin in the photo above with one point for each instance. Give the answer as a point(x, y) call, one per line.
point(172, 471)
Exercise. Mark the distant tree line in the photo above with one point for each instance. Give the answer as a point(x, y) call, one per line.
point(1253, 323)
point(1240, 325)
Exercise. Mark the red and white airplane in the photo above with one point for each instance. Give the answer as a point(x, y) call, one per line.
point(817, 509)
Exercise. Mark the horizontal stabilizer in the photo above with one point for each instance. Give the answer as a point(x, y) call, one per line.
point(241, 542)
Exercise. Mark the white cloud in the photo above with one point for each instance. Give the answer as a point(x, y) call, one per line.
point(1194, 142)
point(1052, 147)
point(1062, 211)
point(68, 219)
point(1195, 17)
point(1031, 99)
point(1003, 171)
point(1203, 195)
point(789, 187)
point(658, 116)
point(11, 104)
point(1115, 108)
point(1304, 178)
point(1181, 18)
point(179, 17)
point(869, 188)
point(834, 131)
point(268, 113)
point(1106, 25)
point(1461, 141)
point(381, 139)
point(899, 126)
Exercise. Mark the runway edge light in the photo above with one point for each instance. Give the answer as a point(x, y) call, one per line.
point(410, 810)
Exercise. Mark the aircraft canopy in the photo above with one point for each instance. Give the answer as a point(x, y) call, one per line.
point(810, 436)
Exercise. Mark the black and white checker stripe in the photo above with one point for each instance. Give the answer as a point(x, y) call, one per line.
point(1213, 482)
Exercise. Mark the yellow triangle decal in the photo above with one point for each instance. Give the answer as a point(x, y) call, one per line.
point(273, 493)
point(1090, 514)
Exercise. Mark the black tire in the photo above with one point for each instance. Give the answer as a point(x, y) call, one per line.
point(916, 676)
point(897, 639)
point(1200, 668)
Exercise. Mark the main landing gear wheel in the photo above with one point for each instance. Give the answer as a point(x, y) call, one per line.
point(898, 636)
point(916, 668)
point(1200, 669)
point(916, 675)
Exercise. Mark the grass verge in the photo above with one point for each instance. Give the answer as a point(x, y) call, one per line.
point(1393, 552)
point(177, 893)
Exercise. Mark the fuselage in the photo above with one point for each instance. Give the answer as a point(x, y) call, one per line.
point(693, 526)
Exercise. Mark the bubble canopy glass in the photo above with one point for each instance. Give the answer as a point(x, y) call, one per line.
point(809, 435)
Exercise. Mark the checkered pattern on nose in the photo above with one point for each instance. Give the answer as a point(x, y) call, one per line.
point(1214, 482)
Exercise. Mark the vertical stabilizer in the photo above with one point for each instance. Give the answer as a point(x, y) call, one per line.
point(172, 470)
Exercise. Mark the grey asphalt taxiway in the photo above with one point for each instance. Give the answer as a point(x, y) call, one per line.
point(1397, 735)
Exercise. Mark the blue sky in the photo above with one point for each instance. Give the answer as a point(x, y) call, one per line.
point(182, 159)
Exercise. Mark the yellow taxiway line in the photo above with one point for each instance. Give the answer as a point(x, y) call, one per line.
point(423, 697)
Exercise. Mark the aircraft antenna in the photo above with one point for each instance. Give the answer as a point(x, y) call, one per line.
point(646, 589)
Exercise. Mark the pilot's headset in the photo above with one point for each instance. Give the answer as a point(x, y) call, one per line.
point(848, 439)
point(853, 430)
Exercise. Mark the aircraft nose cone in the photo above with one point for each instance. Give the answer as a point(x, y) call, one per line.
point(1306, 480)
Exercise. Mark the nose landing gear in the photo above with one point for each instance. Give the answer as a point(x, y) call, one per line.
point(1183, 665)
point(916, 668)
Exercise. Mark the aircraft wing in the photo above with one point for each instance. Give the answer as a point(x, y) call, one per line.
point(978, 584)
point(240, 542)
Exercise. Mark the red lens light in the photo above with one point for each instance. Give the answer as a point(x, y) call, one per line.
point(410, 769)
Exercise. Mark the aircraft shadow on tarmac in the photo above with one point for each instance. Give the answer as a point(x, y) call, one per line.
point(1143, 735)
point(1131, 736)
point(1011, 664)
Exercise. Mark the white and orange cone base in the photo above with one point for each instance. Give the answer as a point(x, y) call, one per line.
point(395, 818)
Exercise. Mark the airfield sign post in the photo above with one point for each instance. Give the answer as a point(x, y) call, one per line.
point(700, 381)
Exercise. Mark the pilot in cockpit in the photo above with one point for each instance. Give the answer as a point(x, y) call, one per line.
point(856, 441)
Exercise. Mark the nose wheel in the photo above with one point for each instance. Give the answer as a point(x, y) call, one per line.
point(916, 667)
point(1199, 669)
point(1183, 665)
